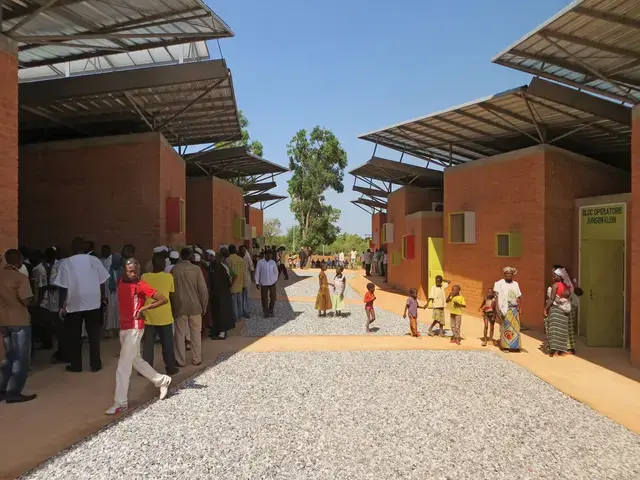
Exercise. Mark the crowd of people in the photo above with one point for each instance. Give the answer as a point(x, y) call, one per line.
point(57, 297)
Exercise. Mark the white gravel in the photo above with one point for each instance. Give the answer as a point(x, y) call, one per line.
point(301, 318)
point(358, 415)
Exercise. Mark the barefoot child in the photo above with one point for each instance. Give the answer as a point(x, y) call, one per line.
point(339, 286)
point(412, 307)
point(369, 298)
point(323, 300)
point(437, 297)
point(457, 304)
point(488, 314)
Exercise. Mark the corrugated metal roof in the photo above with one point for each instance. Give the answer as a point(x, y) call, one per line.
point(542, 112)
point(191, 103)
point(591, 44)
point(399, 173)
point(66, 30)
point(226, 163)
point(172, 54)
point(262, 197)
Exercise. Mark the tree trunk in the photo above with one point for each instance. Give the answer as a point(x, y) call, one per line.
point(306, 225)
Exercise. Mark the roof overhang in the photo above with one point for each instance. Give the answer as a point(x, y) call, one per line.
point(229, 163)
point(591, 45)
point(399, 173)
point(191, 103)
point(541, 113)
point(54, 31)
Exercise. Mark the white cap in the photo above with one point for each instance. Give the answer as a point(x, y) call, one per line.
point(198, 250)
point(196, 257)
point(174, 254)
point(211, 252)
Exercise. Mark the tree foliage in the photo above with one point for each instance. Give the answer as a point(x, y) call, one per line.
point(345, 242)
point(317, 161)
point(271, 229)
point(255, 146)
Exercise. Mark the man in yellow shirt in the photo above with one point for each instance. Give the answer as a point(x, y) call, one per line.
point(457, 304)
point(236, 265)
point(159, 321)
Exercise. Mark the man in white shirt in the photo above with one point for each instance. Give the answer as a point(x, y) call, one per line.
point(354, 255)
point(368, 257)
point(266, 278)
point(341, 259)
point(81, 279)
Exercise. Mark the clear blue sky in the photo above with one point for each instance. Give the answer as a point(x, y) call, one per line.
point(359, 65)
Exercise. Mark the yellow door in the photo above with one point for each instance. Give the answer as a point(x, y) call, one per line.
point(602, 304)
point(435, 259)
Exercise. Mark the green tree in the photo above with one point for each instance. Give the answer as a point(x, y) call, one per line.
point(317, 161)
point(255, 146)
point(271, 229)
point(345, 242)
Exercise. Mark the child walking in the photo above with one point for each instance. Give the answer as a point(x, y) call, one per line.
point(339, 286)
point(323, 300)
point(457, 304)
point(488, 314)
point(369, 298)
point(437, 298)
point(412, 308)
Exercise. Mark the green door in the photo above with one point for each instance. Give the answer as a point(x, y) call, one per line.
point(602, 265)
point(435, 259)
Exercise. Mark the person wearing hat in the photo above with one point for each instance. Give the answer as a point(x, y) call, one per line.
point(508, 296)
point(174, 256)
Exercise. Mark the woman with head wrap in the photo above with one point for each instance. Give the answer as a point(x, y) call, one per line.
point(557, 311)
point(508, 310)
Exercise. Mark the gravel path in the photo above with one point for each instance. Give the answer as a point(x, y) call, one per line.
point(358, 415)
point(306, 285)
point(301, 318)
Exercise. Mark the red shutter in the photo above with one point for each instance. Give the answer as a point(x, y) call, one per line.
point(175, 212)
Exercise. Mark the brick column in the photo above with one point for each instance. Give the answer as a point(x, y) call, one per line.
point(635, 239)
point(8, 144)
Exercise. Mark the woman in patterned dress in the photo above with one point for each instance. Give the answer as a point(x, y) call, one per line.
point(323, 300)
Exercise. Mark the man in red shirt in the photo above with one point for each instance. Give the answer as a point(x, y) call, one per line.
point(132, 294)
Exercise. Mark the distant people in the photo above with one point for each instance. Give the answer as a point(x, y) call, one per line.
point(220, 299)
point(411, 307)
point(508, 296)
point(174, 257)
point(284, 262)
point(369, 298)
point(266, 278)
point(198, 261)
point(487, 308)
point(354, 256)
point(82, 279)
point(246, 287)
point(41, 317)
point(159, 321)
point(437, 297)
point(385, 265)
point(457, 302)
point(339, 287)
point(368, 258)
point(190, 302)
point(341, 258)
point(133, 294)
point(15, 296)
point(323, 299)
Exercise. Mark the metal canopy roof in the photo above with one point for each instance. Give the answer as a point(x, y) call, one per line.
point(371, 192)
point(593, 45)
point(543, 112)
point(53, 31)
point(234, 162)
point(172, 54)
point(399, 173)
point(262, 197)
point(191, 103)
point(375, 204)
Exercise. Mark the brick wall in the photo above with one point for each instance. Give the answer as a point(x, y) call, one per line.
point(110, 190)
point(377, 220)
point(172, 184)
point(635, 239)
point(212, 206)
point(256, 219)
point(530, 191)
point(8, 145)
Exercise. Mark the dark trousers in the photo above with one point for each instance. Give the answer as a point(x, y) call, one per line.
point(42, 327)
point(283, 269)
point(165, 332)
point(15, 367)
point(367, 269)
point(268, 296)
point(73, 329)
point(62, 354)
